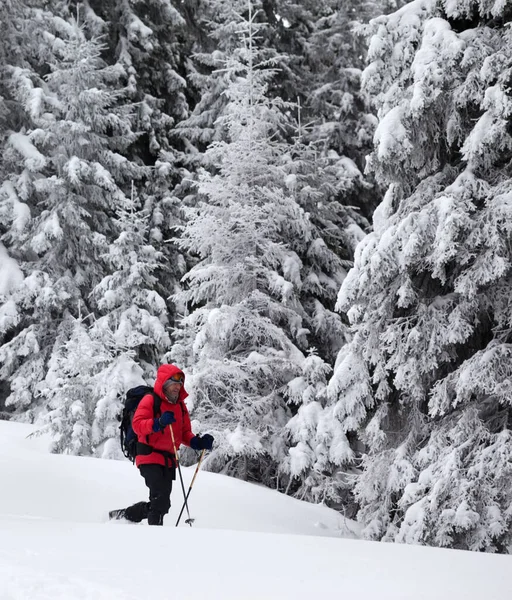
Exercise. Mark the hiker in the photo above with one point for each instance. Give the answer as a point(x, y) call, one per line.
point(155, 456)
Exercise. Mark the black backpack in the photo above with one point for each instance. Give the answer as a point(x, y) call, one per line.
point(131, 401)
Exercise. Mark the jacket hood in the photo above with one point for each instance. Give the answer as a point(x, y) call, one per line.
point(164, 373)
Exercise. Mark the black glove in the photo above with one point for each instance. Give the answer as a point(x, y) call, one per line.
point(207, 441)
point(204, 442)
point(167, 418)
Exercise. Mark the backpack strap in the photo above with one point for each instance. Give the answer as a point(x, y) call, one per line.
point(157, 409)
point(182, 407)
point(157, 404)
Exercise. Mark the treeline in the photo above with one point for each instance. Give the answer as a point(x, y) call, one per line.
point(304, 205)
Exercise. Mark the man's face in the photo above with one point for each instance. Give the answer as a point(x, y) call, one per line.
point(172, 387)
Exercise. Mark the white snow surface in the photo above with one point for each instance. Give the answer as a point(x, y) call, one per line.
point(247, 542)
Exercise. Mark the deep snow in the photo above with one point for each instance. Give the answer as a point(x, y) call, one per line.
point(248, 542)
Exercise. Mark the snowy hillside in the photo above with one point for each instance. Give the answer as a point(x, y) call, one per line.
point(248, 542)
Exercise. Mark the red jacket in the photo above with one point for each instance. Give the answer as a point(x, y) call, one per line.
point(143, 419)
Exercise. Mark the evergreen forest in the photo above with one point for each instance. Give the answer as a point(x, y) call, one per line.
point(306, 206)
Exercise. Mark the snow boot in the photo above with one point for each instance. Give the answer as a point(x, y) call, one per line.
point(117, 514)
point(155, 518)
point(134, 513)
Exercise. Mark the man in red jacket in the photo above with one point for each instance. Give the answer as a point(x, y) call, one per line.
point(155, 452)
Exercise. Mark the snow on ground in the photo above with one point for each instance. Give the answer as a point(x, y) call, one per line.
point(247, 542)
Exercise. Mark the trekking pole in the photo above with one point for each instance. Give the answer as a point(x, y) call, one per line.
point(190, 486)
point(189, 520)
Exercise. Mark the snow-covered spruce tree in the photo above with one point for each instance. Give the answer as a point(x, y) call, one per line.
point(320, 456)
point(63, 184)
point(16, 46)
point(147, 41)
point(11, 17)
point(318, 183)
point(22, 50)
point(86, 372)
point(149, 44)
point(92, 366)
point(321, 163)
point(22, 56)
point(430, 293)
point(282, 27)
point(133, 325)
point(243, 340)
point(218, 27)
point(335, 106)
point(325, 166)
point(70, 386)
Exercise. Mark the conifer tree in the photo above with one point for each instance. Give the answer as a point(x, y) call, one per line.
point(315, 183)
point(63, 180)
point(244, 338)
point(126, 296)
point(70, 387)
point(149, 44)
point(220, 25)
point(429, 295)
point(146, 41)
point(323, 255)
point(132, 322)
point(8, 17)
point(20, 53)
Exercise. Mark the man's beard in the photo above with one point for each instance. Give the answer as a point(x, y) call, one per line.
point(172, 397)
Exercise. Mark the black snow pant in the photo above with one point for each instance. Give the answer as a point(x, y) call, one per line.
point(159, 481)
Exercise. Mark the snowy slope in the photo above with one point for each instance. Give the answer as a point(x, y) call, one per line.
point(56, 543)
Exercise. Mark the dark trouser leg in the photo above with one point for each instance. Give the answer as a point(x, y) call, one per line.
point(159, 481)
